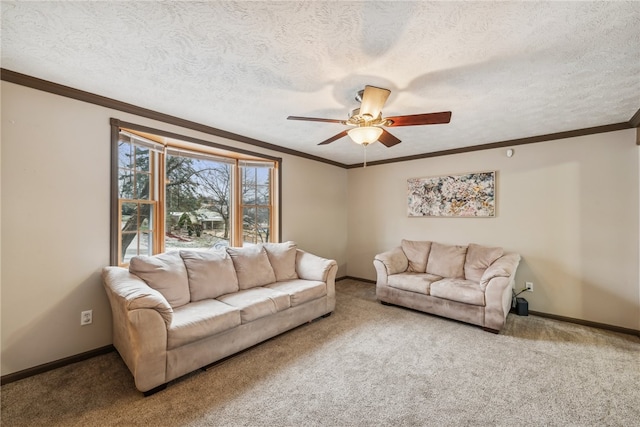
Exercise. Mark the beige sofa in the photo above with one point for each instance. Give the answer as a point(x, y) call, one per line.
point(177, 312)
point(470, 283)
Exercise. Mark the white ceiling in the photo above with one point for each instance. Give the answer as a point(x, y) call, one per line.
point(506, 70)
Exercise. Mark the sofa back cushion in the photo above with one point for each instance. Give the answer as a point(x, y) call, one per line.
point(211, 274)
point(165, 273)
point(252, 266)
point(446, 260)
point(479, 258)
point(282, 257)
point(417, 252)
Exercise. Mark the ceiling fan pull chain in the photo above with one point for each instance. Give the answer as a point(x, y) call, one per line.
point(365, 154)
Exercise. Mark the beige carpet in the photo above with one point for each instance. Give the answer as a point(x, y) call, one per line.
point(366, 365)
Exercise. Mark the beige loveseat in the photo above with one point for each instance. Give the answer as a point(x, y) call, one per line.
point(470, 283)
point(177, 312)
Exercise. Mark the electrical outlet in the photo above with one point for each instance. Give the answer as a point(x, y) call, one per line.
point(528, 286)
point(86, 317)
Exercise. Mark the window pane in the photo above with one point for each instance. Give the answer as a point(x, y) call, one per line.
point(262, 195)
point(256, 186)
point(146, 244)
point(142, 186)
point(125, 159)
point(249, 186)
point(125, 184)
point(129, 217)
point(129, 246)
point(135, 217)
point(249, 225)
point(262, 176)
point(142, 158)
point(198, 202)
point(256, 225)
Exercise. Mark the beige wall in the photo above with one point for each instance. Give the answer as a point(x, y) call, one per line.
point(55, 221)
point(569, 207)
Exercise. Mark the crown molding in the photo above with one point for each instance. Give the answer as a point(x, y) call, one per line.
point(635, 120)
point(508, 143)
point(91, 98)
point(80, 95)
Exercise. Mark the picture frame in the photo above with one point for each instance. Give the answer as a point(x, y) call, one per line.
point(470, 195)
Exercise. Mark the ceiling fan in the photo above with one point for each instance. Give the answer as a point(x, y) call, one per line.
point(367, 121)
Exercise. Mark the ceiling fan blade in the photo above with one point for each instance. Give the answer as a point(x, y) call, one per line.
point(315, 119)
point(333, 138)
point(373, 100)
point(387, 139)
point(420, 119)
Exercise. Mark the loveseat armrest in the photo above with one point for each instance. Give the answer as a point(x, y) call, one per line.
point(133, 293)
point(393, 261)
point(313, 267)
point(505, 266)
point(497, 284)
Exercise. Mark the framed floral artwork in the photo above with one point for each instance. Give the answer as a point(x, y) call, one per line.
point(468, 195)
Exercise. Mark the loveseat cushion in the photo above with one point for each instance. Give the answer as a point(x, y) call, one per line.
point(257, 302)
point(252, 266)
point(460, 290)
point(165, 273)
point(446, 260)
point(479, 258)
point(210, 273)
point(282, 257)
point(413, 282)
point(300, 291)
point(201, 319)
point(417, 253)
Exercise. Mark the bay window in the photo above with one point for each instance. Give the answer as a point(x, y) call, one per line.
point(173, 193)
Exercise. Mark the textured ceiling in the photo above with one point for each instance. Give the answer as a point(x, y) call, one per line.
point(506, 70)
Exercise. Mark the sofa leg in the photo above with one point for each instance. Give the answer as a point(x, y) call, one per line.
point(154, 390)
point(493, 331)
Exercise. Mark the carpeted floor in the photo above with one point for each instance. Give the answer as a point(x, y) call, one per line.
point(366, 365)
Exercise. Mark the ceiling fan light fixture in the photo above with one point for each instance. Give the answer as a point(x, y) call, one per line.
point(365, 135)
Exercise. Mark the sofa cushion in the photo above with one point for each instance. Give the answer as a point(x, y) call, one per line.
point(165, 273)
point(201, 319)
point(413, 282)
point(210, 273)
point(417, 253)
point(252, 266)
point(479, 258)
point(446, 260)
point(300, 291)
point(282, 257)
point(257, 302)
point(460, 290)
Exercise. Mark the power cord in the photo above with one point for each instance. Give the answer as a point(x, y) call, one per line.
point(513, 300)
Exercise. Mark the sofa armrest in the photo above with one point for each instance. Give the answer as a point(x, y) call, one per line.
point(133, 293)
point(141, 316)
point(313, 267)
